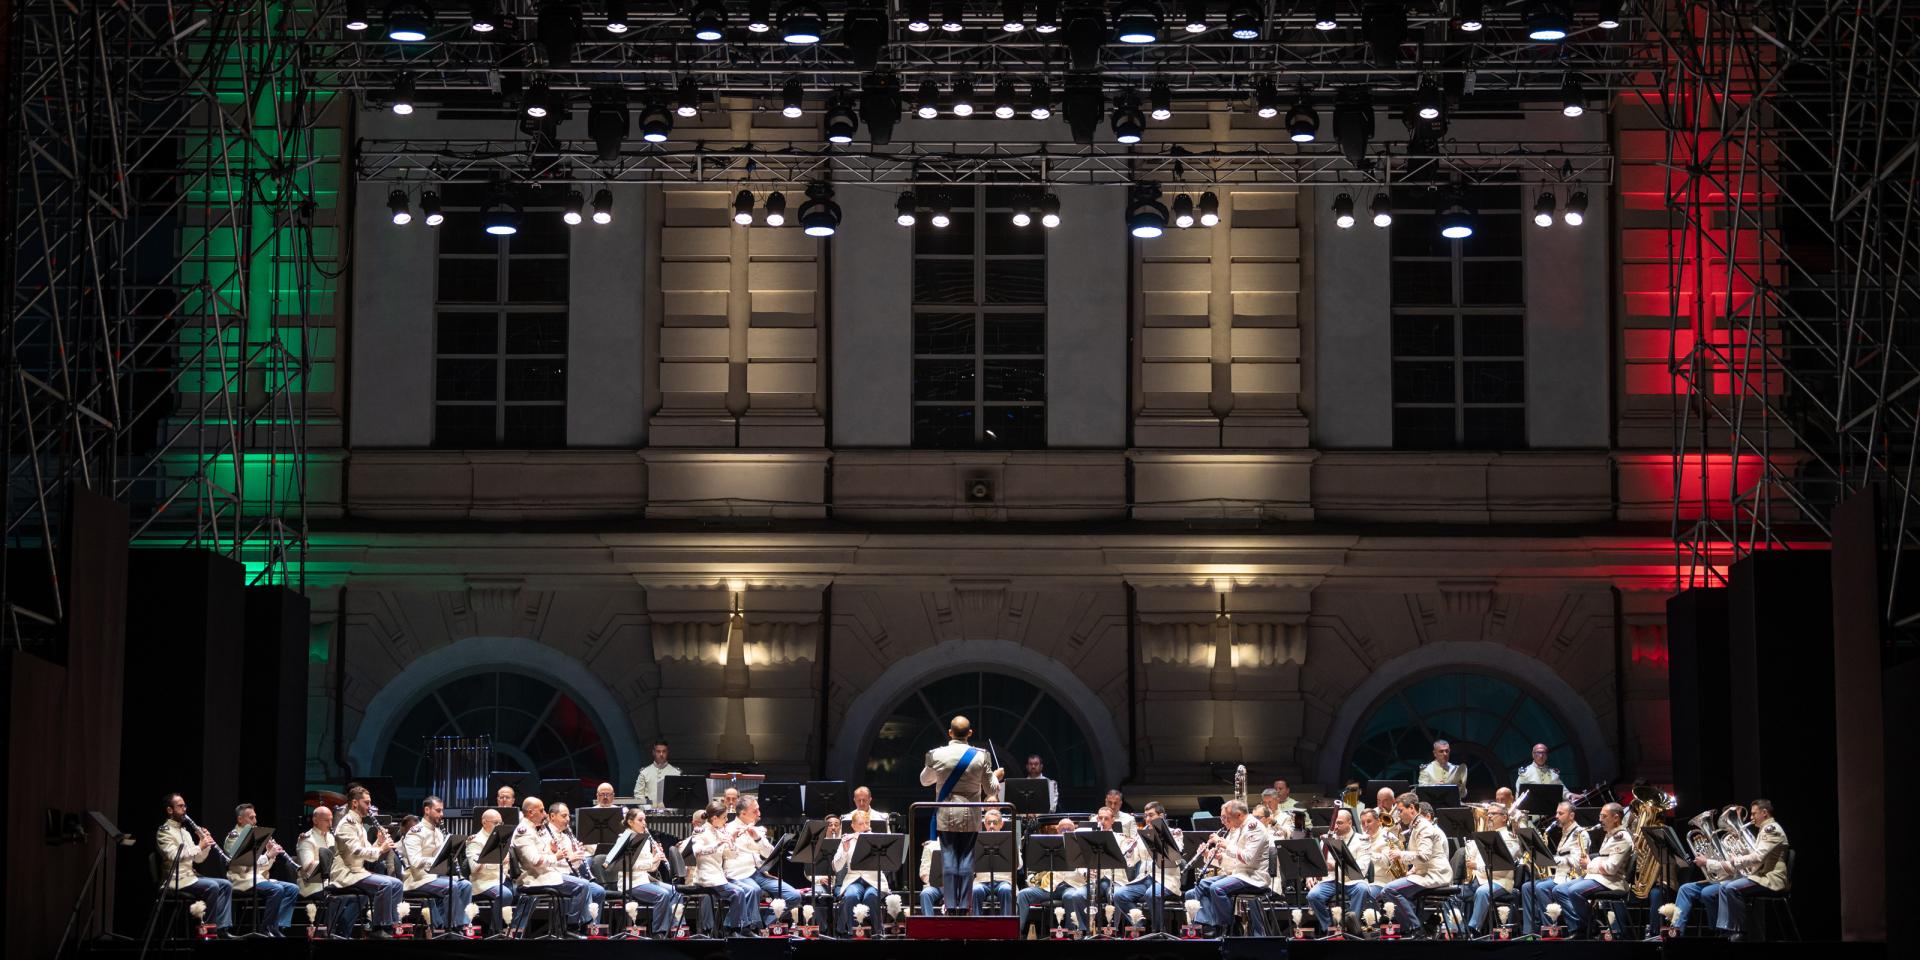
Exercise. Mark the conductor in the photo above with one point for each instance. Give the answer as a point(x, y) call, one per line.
point(960, 773)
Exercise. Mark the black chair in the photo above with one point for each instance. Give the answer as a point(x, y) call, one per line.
point(1271, 907)
point(1599, 900)
point(173, 906)
point(531, 903)
point(1431, 902)
point(323, 900)
point(1761, 901)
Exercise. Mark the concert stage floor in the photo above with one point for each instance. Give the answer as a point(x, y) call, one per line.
point(1231, 949)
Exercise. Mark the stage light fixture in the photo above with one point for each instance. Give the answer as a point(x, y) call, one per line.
point(906, 210)
point(1039, 100)
point(864, 32)
point(397, 205)
point(603, 206)
point(1343, 211)
point(1576, 213)
point(842, 122)
point(1195, 20)
point(1244, 19)
point(819, 216)
point(1050, 211)
point(1385, 26)
point(1013, 16)
point(1022, 211)
point(1543, 210)
point(952, 13)
point(356, 18)
point(1146, 215)
point(408, 21)
point(776, 209)
point(617, 17)
point(1324, 15)
point(1209, 209)
point(1046, 17)
point(792, 98)
point(1428, 101)
point(1003, 97)
point(1470, 16)
point(760, 16)
point(573, 209)
point(482, 16)
point(708, 19)
point(1382, 209)
point(538, 99)
point(1128, 123)
point(1160, 97)
point(403, 94)
point(1303, 121)
point(1137, 22)
point(1610, 14)
point(743, 207)
point(1083, 106)
point(1573, 97)
point(686, 100)
point(1266, 99)
point(801, 22)
point(608, 121)
point(1456, 218)
point(1086, 34)
point(500, 217)
point(963, 98)
point(1548, 21)
point(1353, 124)
point(1183, 211)
point(656, 121)
point(430, 211)
point(941, 211)
point(880, 105)
point(919, 19)
point(926, 105)
point(557, 27)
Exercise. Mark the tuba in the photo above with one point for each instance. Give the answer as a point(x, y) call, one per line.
point(1700, 838)
point(1736, 838)
point(1651, 866)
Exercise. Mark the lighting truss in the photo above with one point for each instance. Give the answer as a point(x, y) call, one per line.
point(160, 183)
point(1791, 190)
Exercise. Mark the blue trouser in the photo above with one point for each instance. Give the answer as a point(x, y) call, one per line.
point(445, 911)
point(993, 888)
point(1141, 895)
point(1733, 903)
point(1029, 898)
point(218, 895)
point(660, 899)
point(574, 899)
point(771, 889)
point(1700, 893)
point(741, 900)
point(956, 856)
point(857, 892)
point(929, 900)
point(279, 896)
point(384, 892)
point(1321, 897)
point(1400, 893)
point(1657, 896)
point(501, 895)
point(1573, 902)
point(1216, 902)
point(342, 909)
point(1533, 903)
point(1482, 895)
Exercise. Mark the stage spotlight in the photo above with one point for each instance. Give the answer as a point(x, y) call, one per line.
point(1456, 219)
point(1266, 99)
point(1470, 15)
point(926, 105)
point(941, 210)
point(1303, 121)
point(1576, 209)
point(1161, 98)
point(951, 16)
point(1138, 21)
point(1543, 210)
point(1353, 124)
point(819, 216)
point(1195, 20)
point(1428, 101)
point(1610, 14)
point(558, 28)
point(573, 209)
point(656, 121)
point(1146, 215)
point(1324, 17)
point(1128, 123)
point(1022, 211)
point(603, 206)
point(1209, 209)
point(1086, 34)
point(1382, 208)
point(500, 217)
point(1003, 97)
point(880, 105)
point(776, 209)
point(430, 209)
point(538, 99)
point(1013, 15)
point(356, 18)
point(403, 94)
point(1573, 97)
point(397, 205)
point(709, 20)
point(1050, 211)
point(617, 17)
point(1385, 25)
point(760, 16)
point(842, 121)
point(864, 32)
point(905, 210)
point(608, 121)
point(1343, 211)
point(801, 22)
point(408, 21)
point(1244, 19)
point(963, 98)
point(481, 14)
point(1083, 104)
point(1046, 17)
point(1183, 211)
point(743, 207)
point(686, 100)
point(792, 98)
point(1039, 100)
point(918, 18)
point(1548, 21)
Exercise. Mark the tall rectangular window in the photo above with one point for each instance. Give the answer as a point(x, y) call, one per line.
point(500, 331)
point(980, 326)
point(1459, 326)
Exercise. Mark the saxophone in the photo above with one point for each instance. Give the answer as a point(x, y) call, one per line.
point(1396, 868)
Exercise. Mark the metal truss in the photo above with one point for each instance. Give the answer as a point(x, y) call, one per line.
point(1792, 171)
point(154, 333)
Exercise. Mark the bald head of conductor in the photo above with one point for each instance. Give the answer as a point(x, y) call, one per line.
point(961, 731)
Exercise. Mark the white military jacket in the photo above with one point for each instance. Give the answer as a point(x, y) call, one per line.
point(307, 855)
point(1431, 866)
point(975, 784)
point(1433, 774)
point(648, 786)
point(1535, 775)
point(179, 851)
point(533, 850)
point(709, 856)
point(240, 873)
point(421, 846)
point(485, 875)
point(351, 850)
point(645, 862)
point(844, 856)
point(1246, 852)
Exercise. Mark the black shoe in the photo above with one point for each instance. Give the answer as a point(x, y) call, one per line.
point(379, 933)
point(224, 933)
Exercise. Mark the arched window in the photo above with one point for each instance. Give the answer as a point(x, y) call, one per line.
point(535, 727)
point(1490, 723)
point(1019, 717)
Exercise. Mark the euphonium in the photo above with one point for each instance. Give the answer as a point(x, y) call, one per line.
point(1700, 838)
point(1735, 837)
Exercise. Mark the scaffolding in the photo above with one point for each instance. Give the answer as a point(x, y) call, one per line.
point(1791, 171)
point(163, 266)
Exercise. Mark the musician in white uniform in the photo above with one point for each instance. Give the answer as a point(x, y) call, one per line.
point(181, 846)
point(959, 773)
point(998, 886)
point(930, 896)
point(1282, 804)
point(1161, 846)
point(637, 875)
point(709, 846)
point(863, 800)
point(649, 786)
point(1036, 770)
point(1065, 889)
point(748, 847)
point(353, 851)
point(1443, 769)
point(488, 876)
point(1482, 888)
point(421, 847)
point(1242, 861)
point(579, 856)
point(1729, 881)
point(1566, 868)
point(252, 873)
point(543, 868)
point(1537, 773)
point(1425, 856)
point(859, 886)
point(1606, 870)
point(1339, 878)
point(1123, 821)
point(308, 864)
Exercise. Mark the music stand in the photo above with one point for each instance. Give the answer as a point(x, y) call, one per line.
point(684, 793)
point(826, 798)
point(1373, 788)
point(1455, 822)
point(500, 844)
point(1439, 794)
point(446, 864)
point(878, 852)
point(625, 851)
point(780, 801)
point(1029, 795)
point(1300, 860)
point(1542, 803)
point(1344, 866)
point(1534, 841)
point(600, 826)
point(509, 816)
point(249, 847)
point(1209, 805)
point(1668, 842)
point(1094, 851)
point(1586, 816)
point(1494, 855)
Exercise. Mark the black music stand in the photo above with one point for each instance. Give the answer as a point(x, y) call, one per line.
point(1455, 822)
point(1439, 794)
point(780, 801)
point(826, 798)
point(499, 844)
point(1299, 860)
point(1344, 866)
point(446, 864)
point(509, 816)
point(1160, 844)
point(684, 793)
point(600, 826)
point(1494, 858)
point(1534, 841)
point(625, 850)
point(1094, 851)
point(881, 853)
point(573, 793)
point(249, 847)
point(1209, 806)
point(1541, 803)
point(1044, 853)
point(1029, 795)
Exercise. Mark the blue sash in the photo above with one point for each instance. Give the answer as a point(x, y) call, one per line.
point(953, 780)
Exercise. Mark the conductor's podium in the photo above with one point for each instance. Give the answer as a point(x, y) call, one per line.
point(963, 928)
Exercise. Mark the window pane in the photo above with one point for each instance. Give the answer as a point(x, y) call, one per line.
point(1423, 381)
point(1496, 428)
point(536, 426)
point(1418, 234)
point(1422, 282)
point(464, 379)
point(1423, 336)
point(1494, 336)
point(469, 281)
point(943, 380)
point(540, 232)
point(1006, 197)
point(955, 238)
point(537, 281)
point(1017, 281)
point(1016, 333)
point(537, 333)
point(1016, 380)
point(1494, 235)
point(1493, 283)
point(468, 333)
point(943, 426)
point(1004, 238)
point(943, 281)
point(536, 380)
point(1423, 428)
point(460, 427)
point(1494, 198)
point(462, 234)
point(943, 332)
point(1015, 427)
point(1495, 381)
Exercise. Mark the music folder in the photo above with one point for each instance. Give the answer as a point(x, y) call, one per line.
point(443, 859)
point(599, 826)
point(1493, 852)
point(993, 852)
point(1300, 859)
point(878, 851)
